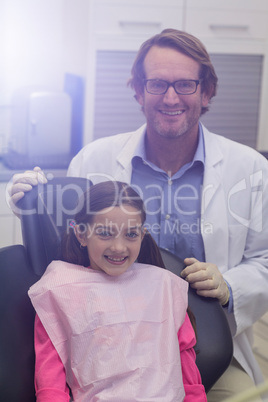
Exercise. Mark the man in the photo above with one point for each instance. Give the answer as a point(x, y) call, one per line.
point(206, 196)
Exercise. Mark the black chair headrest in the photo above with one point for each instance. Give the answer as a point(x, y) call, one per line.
point(46, 211)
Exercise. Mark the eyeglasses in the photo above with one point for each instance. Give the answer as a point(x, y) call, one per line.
point(181, 87)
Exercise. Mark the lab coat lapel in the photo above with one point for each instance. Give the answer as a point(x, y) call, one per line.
point(214, 219)
point(124, 165)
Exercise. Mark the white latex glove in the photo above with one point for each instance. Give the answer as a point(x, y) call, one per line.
point(206, 279)
point(23, 182)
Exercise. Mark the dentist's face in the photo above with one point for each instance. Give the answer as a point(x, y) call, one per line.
point(171, 115)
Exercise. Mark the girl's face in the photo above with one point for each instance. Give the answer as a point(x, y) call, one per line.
point(113, 239)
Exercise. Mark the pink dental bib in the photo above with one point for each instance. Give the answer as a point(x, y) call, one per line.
point(116, 336)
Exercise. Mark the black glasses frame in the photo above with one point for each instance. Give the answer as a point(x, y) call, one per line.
point(172, 84)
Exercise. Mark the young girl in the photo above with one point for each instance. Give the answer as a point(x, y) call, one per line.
point(111, 328)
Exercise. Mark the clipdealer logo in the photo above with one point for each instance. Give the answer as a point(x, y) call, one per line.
point(255, 183)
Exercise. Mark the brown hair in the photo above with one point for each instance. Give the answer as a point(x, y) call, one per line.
point(183, 43)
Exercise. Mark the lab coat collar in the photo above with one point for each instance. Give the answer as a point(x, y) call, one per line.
point(212, 150)
point(213, 156)
point(126, 154)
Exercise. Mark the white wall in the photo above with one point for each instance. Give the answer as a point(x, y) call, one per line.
point(75, 36)
point(40, 40)
point(33, 51)
point(43, 40)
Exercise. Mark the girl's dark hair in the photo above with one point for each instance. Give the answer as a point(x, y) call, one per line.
point(101, 196)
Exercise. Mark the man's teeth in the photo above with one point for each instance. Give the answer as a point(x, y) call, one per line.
point(172, 113)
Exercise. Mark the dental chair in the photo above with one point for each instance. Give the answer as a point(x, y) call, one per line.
point(45, 214)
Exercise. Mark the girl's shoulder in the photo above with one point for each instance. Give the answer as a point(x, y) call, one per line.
point(58, 273)
point(58, 267)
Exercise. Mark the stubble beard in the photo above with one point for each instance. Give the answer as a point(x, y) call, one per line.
point(173, 131)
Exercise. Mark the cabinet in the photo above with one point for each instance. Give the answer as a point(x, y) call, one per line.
point(129, 18)
point(125, 24)
point(119, 20)
point(236, 19)
point(225, 23)
point(231, 26)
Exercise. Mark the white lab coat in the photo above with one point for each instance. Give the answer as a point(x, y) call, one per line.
point(233, 218)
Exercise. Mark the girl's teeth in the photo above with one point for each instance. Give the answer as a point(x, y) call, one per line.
point(116, 259)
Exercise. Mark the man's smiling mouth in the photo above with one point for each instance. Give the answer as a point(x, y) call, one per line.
point(174, 113)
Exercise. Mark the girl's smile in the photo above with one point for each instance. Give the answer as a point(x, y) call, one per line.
point(116, 261)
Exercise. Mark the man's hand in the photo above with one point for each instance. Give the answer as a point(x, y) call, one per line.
point(23, 182)
point(206, 279)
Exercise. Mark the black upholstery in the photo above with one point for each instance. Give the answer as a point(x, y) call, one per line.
point(214, 343)
point(16, 326)
point(46, 211)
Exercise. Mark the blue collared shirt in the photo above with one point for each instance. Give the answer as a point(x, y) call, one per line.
point(173, 204)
